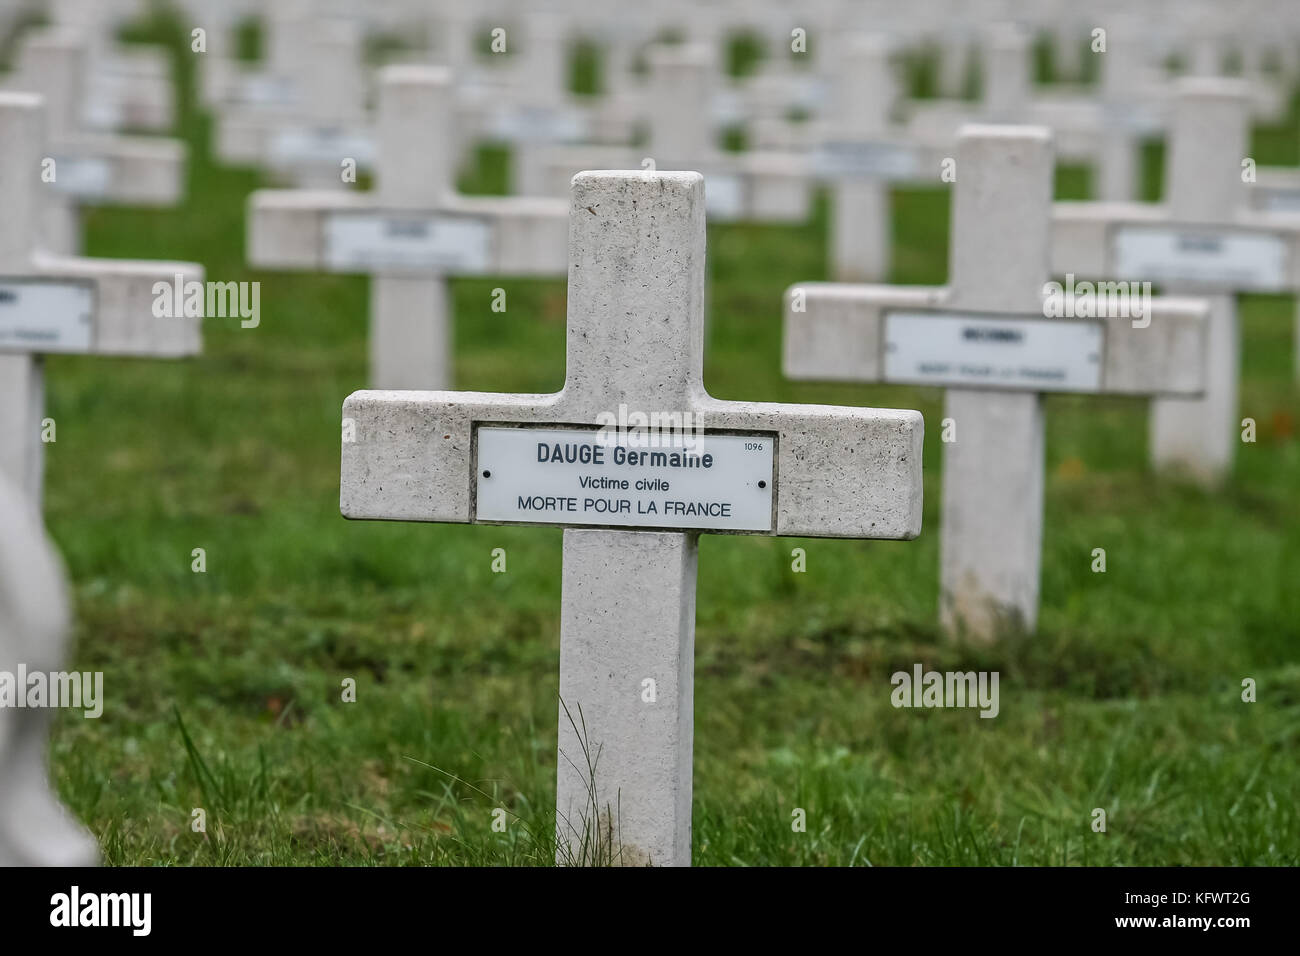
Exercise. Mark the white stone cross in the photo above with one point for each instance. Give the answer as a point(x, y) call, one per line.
point(411, 233)
point(35, 828)
point(131, 87)
point(861, 153)
point(1202, 239)
point(761, 185)
point(632, 509)
point(89, 168)
point(987, 338)
point(61, 304)
point(316, 119)
point(1104, 131)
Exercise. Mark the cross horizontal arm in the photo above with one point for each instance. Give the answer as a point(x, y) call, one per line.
point(289, 229)
point(1086, 242)
point(840, 333)
point(128, 298)
point(137, 170)
point(841, 472)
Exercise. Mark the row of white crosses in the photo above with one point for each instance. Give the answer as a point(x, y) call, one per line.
point(54, 304)
point(305, 117)
point(1203, 239)
point(49, 304)
point(860, 153)
point(765, 186)
point(635, 339)
point(411, 233)
point(986, 339)
point(88, 167)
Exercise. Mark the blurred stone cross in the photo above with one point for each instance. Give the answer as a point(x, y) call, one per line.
point(996, 338)
point(1204, 239)
point(89, 168)
point(410, 234)
point(765, 185)
point(131, 86)
point(632, 500)
point(860, 153)
point(310, 127)
point(1104, 128)
point(52, 304)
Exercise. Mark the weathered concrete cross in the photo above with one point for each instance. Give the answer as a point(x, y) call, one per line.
point(1203, 239)
point(410, 234)
point(987, 339)
point(57, 304)
point(635, 341)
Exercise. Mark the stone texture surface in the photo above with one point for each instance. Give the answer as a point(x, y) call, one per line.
point(623, 787)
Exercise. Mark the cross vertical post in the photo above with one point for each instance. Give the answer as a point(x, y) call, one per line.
point(410, 315)
point(1203, 184)
point(992, 508)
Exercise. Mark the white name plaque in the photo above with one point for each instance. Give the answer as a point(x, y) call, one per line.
point(84, 177)
point(292, 147)
point(40, 316)
point(1280, 200)
point(573, 476)
point(1037, 355)
point(1205, 255)
point(366, 241)
point(866, 160)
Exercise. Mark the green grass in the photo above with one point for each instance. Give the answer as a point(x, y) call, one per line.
point(224, 688)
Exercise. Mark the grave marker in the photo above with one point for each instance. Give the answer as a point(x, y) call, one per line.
point(635, 339)
point(861, 154)
point(410, 234)
point(986, 340)
point(90, 168)
point(310, 120)
point(1204, 240)
point(51, 303)
point(763, 185)
point(131, 86)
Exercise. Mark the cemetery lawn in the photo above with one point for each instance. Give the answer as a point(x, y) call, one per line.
point(223, 688)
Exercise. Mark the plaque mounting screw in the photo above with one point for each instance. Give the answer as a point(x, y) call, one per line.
point(762, 484)
point(487, 474)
